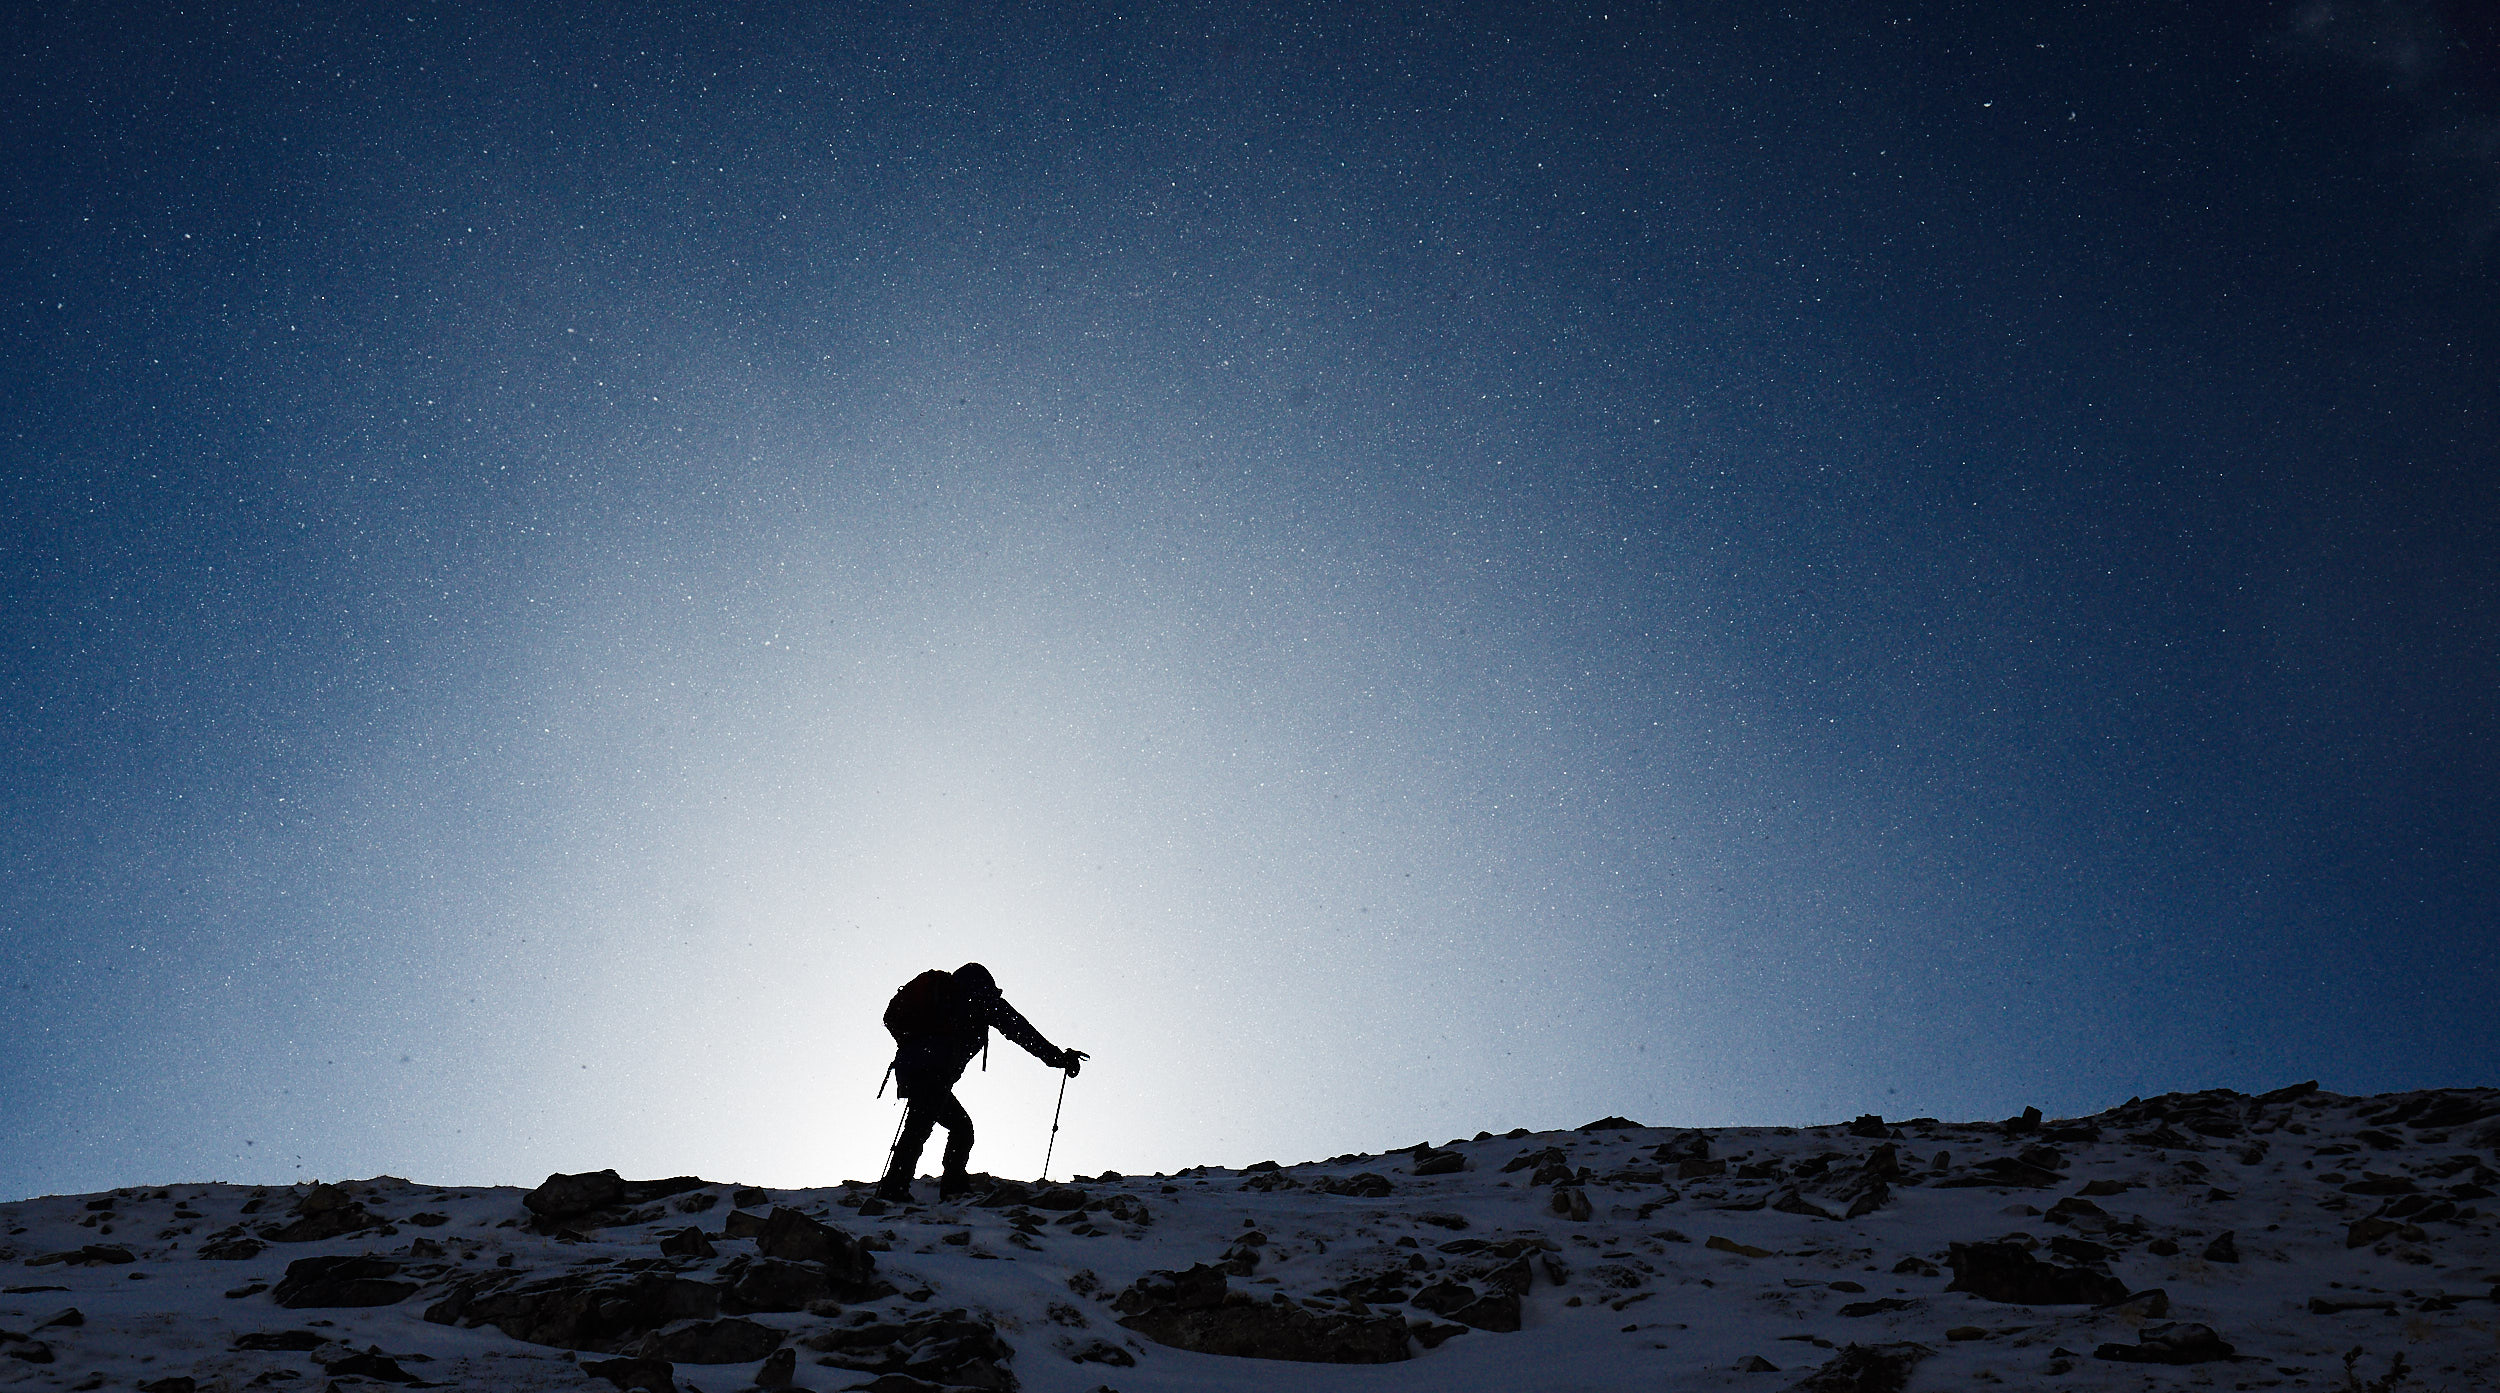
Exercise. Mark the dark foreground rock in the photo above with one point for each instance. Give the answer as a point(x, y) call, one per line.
point(950, 1349)
point(2170, 1344)
point(1196, 1310)
point(790, 1236)
point(641, 1375)
point(340, 1281)
point(731, 1341)
point(2006, 1272)
point(1865, 1369)
point(602, 1311)
point(562, 1197)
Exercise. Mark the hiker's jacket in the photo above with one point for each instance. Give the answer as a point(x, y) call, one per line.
point(939, 1057)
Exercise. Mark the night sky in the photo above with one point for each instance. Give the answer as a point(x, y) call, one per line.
point(1392, 572)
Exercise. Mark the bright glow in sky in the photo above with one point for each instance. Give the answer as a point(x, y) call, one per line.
point(1386, 584)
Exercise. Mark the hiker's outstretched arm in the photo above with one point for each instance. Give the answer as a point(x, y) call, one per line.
point(1012, 1024)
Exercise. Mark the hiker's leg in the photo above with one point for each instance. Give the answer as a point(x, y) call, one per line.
point(958, 1124)
point(917, 1122)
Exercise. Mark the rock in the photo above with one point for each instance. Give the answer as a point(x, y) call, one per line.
point(1433, 1334)
point(1439, 1163)
point(849, 1268)
point(1193, 1310)
point(1756, 1364)
point(2005, 1171)
point(2077, 1250)
point(602, 1311)
point(641, 1375)
point(2081, 1213)
point(2224, 1249)
point(687, 1243)
point(2289, 1093)
point(1104, 1352)
point(92, 1255)
point(180, 1383)
point(1497, 1311)
point(1791, 1202)
point(1059, 1197)
point(749, 1196)
point(950, 1349)
point(570, 1196)
point(367, 1364)
point(2163, 1247)
point(770, 1284)
point(2364, 1232)
point(2150, 1304)
point(67, 1318)
point(32, 1351)
point(1870, 1125)
point(2102, 1189)
point(2005, 1272)
point(1730, 1245)
point(1364, 1185)
point(1914, 1266)
point(1610, 1124)
point(2320, 1306)
point(296, 1341)
point(1877, 1307)
point(728, 1341)
point(780, 1369)
point(2028, 1122)
point(1699, 1169)
point(2169, 1344)
point(231, 1249)
point(741, 1224)
point(1548, 1156)
point(1874, 1196)
point(1865, 1369)
point(1571, 1202)
point(340, 1281)
point(1966, 1332)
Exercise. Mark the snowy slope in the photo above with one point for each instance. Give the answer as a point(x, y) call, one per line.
point(1610, 1230)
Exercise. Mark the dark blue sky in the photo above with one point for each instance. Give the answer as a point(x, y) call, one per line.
point(1394, 571)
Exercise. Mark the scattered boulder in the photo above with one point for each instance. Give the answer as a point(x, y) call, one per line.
point(341, 1281)
point(1610, 1124)
point(325, 1211)
point(92, 1255)
point(780, 1369)
point(2224, 1249)
point(949, 1349)
point(1363, 1185)
point(1195, 1310)
point(294, 1341)
point(793, 1236)
point(1496, 1310)
point(729, 1341)
point(2170, 1344)
point(1438, 1163)
point(368, 1364)
point(1870, 1125)
point(1865, 1369)
point(687, 1243)
point(1059, 1197)
point(771, 1284)
point(601, 1310)
point(741, 1224)
point(637, 1375)
point(571, 1196)
point(231, 1249)
point(2006, 1272)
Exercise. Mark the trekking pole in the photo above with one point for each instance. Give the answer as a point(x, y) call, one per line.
point(1053, 1148)
point(894, 1145)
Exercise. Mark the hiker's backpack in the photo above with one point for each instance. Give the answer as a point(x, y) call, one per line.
point(928, 1004)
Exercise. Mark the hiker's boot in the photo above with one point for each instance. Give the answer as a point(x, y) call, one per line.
point(954, 1185)
point(895, 1189)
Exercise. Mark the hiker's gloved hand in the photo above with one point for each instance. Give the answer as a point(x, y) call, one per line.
point(1072, 1060)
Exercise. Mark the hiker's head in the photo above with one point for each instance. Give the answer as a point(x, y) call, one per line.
point(977, 979)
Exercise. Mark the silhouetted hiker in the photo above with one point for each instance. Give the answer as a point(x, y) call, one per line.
point(940, 1020)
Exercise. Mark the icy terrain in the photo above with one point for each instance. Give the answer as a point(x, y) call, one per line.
point(2202, 1240)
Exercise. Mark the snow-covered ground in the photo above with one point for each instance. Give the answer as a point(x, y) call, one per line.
point(1630, 1257)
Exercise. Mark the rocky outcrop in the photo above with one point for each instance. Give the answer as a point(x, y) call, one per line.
point(2170, 1344)
point(325, 1211)
point(605, 1311)
point(2007, 1272)
point(561, 1197)
point(850, 1270)
point(341, 1281)
point(949, 1349)
point(1196, 1310)
point(1865, 1369)
point(730, 1341)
